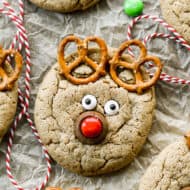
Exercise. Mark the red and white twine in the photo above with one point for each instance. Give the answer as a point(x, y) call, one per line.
point(173, 36)
point(21, 40)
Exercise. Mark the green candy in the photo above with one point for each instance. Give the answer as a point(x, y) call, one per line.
point(133, 7)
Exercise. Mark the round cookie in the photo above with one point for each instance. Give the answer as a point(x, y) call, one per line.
point(65, 5)
point(9, 74)
point(58, 106)
point(8, 103)
point(170, 170)
point(177, 14)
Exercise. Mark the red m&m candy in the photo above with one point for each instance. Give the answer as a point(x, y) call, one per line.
point(91, 127)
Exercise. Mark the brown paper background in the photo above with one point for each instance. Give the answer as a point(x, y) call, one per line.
point(107, 20)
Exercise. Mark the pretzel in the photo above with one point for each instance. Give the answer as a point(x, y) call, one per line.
point(187, 138)
point(7, 80)
point(58, 188)
point(186, 188)
point(82, 46)
point(139, 85)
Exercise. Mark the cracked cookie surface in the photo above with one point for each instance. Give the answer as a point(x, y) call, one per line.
point(8, 103)
point(170, 170)
point(177, 14)
point(65, 5)
point(58, 105)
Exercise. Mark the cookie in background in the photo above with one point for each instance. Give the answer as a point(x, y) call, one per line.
point(177, 14)
point(65, 6)
point(10, 69)
point(170, 170)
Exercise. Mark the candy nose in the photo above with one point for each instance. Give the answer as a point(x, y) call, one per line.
point(91, 127)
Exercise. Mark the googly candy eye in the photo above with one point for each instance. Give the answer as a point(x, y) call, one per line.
point(111, 107)
point(89, 102)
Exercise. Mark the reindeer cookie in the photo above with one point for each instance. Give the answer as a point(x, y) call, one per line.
point(171, 169)
point(92, 114)
point(65, 5)
point(8, 87)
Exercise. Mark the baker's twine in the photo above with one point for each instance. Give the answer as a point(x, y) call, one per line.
point(173, 36)
point(21, 40)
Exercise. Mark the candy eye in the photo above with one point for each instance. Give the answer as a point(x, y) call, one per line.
point(111, 107)
point(89, 102)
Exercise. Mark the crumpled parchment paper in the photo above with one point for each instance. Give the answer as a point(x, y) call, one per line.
point(107, 20)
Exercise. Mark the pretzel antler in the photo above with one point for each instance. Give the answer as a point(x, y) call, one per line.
point(82, 46)
point(187, 138)
point(7, 80)
point(139, 85)
point(186, 188)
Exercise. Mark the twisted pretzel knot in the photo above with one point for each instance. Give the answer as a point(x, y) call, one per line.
point(82, 46)
point(139, 85)
point(116, 61)
point(7, 80)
